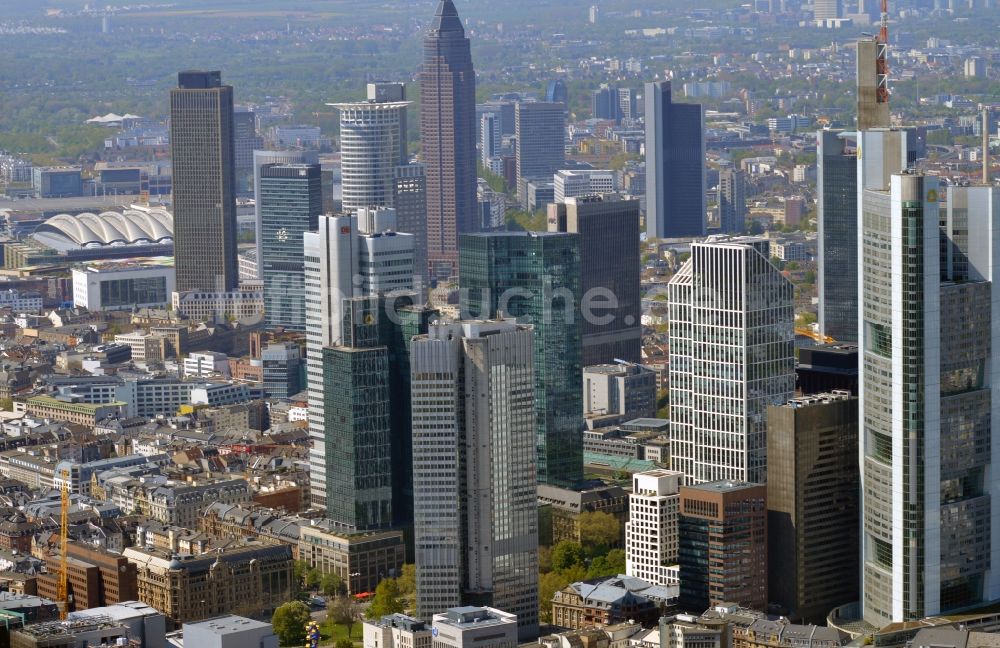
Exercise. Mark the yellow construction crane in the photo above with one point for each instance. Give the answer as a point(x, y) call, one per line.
point(62, 591)
point(816, 337)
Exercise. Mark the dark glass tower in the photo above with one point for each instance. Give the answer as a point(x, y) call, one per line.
point(675, 165)
point(837, 220)
point(291, 200)
point(535, 277)
point(448, 137)
point(203, 154)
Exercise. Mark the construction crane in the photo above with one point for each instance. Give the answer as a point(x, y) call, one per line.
point(62, 590)
point(813, 335)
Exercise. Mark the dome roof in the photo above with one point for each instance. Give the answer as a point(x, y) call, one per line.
point(129, 227)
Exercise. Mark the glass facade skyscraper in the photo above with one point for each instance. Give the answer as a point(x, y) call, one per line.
point(731, 356)
point(535, 277)
point(202, 151)
point(291, 201)
point(837, 222)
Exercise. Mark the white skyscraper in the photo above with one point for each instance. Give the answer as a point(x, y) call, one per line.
point(651, 531)
point(386, 257)
point(474, 469)
point(573, 183)
point(371, 142)
point(731, 355)
point(929, 371)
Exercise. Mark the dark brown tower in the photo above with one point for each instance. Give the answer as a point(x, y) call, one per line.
point(448, 136)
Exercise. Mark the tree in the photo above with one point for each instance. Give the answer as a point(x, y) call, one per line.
point(544, 559)
point(342, 611)
point(331, 584)
point(300, 568)
point(313, 578)
point(548, 585)
point(598, 531)
point(610, 564)
point(344, 642)
point(407, 580)
point(565, 555)
point(6, 404)
point(387, 600)
point(289, 622)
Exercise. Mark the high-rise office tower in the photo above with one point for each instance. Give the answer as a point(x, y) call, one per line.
point(556, 92)
point(476, 511)
point(732, 199)
point(541, 139)
point(536, 277)
point(261, 158)
point(385, 256)
point(281, 369)
point(245, 142)
point(608, 227)
point(204, 185)
point(929, 371)
point(872, 81)
point(490, 137)
point(722, 548)
point(837, 223)
point(409, 199)
point(389, 92)
point(827, 9)
point(604, 103)
point(371, 139)
point(448, 138)
point(651, 532)
point(675, 165)
point(812, 505)
point(628, 104)
point(291, 202)
point(731, 355)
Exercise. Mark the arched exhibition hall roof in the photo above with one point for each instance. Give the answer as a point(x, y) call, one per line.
point(129, 227)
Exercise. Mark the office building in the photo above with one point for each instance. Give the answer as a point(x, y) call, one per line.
point(583, 182)
point(675, 165)
point(608, 229)
point(651, 532)
point(291, 201)
point(609, 606)
point(57, 182)
point(245, 142)
point(722, 548)
point(837, 224)
point(282, 369)
point(372, 146)
point(627, 391)
point(204, 185)
point(361, 560)
point(559, 511)
point(120, 286)
point(385, 256)
point(448, 138)
point(230, 632)
point(396, 631)
point(812, 505)
point(490, 137)
point(474, 467)
point(260, 159)
point(477, 627)
point(827, 10)
point(410, 202)
point(619, 104)
point(826, 368)
point(928, 286)
point(975, 67)
point(557, 92)
point(731, 355)
point(541, 139)
point(731, 197)
point(536, 276)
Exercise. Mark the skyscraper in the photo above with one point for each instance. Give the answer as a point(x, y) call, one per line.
point(245, 142)
point(448, 137)
point(204, 186)
point(536, 278)
point(370, 142)
point(837, 223)
point(651, 531)
point(731, 355)
point(675, 165)
point(827, 9)
point(410, 202)
point(604, 103)
point(261, 158)
point(872, 81)
point(732, 200)
point(541, 139)
point(291, 202)
point(556, 92)
point(476, 511)
point(929, 358)
point(610, 265)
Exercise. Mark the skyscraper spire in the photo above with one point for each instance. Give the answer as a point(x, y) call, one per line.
point(448, 135)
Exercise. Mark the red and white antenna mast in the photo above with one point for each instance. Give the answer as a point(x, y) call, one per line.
point(882, 57)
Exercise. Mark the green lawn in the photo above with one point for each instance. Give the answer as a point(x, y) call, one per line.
point(333, 632)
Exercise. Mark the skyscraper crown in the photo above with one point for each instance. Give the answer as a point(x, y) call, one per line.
point(446, 19)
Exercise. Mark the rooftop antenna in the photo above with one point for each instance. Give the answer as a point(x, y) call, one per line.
point(882, 56)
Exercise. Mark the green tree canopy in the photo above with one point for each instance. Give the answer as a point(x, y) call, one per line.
point(331, 584)
point(566, 555)
point(611, 564)
point(387, 600)
point(599, 531)
point(289, 622)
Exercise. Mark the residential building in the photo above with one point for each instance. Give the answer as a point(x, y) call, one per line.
point(608, 227)
point(474, 469)
point(837, 225)
point(249, 579)
point(541, 139)
point(722, 549)
point(675, 165)
point(202, 152)
point(731, 196)
point(651, 532)
point(448, 138)
point(476, 627)
point(731, 355)
point(291, 201)
point(577, 183)
point(230, 632)
point(812, 505)
point(121, 286)
point(536, 276)
point(396, 631)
